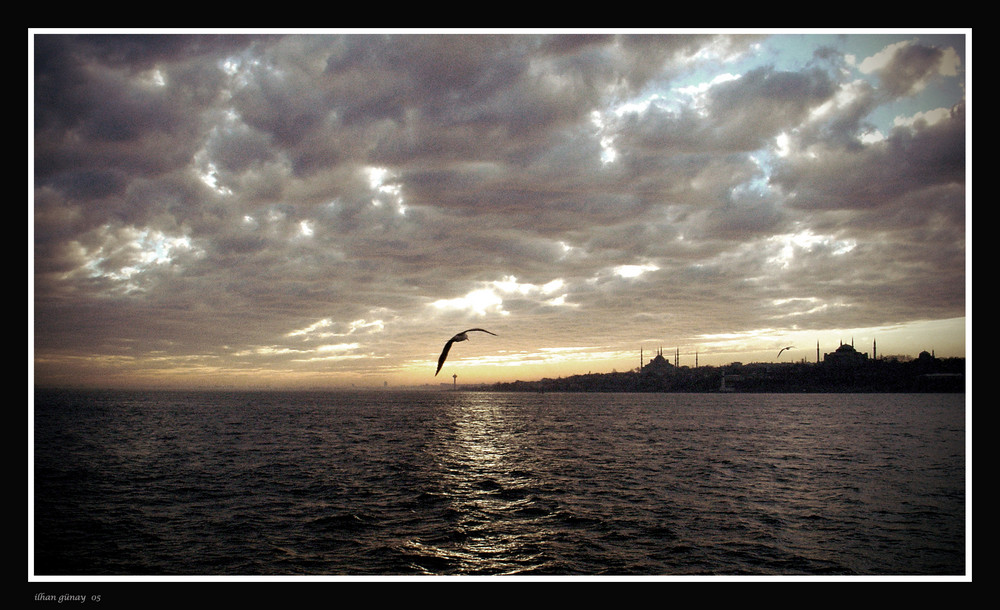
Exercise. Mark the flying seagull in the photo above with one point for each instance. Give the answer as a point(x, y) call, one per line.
point(462, 336)
point(784, 348)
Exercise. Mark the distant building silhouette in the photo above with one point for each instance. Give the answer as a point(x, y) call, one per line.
point(658, 365)
point(843, 370)
point(845, 355)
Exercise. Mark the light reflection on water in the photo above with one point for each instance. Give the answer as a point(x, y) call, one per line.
point(480, 451)
point(483, 483)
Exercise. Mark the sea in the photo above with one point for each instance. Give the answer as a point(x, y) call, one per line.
point(463, 484)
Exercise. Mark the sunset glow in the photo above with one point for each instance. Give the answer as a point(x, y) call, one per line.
point(326, 209)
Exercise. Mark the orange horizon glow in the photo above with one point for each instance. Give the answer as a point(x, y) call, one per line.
point(481, 364)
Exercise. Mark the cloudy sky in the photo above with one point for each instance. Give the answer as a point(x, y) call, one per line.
point(327, 209)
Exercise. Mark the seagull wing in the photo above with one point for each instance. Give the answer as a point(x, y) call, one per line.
point(459, 337)
point(444, 354)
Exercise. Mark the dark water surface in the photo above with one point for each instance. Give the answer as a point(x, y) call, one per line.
point(468, 483)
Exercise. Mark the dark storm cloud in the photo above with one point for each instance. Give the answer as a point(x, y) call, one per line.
point(909, 160)
point(85, 84)
point(238, 148)
point(741, 115)
point(910, 67)
point(747, 113)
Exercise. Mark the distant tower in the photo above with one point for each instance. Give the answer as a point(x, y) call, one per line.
point(874, 350)
point(454, 381)
point(817, 352)
point(677, 356)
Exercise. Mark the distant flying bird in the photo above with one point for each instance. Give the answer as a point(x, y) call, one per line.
point(784, 348)
point(462, 336)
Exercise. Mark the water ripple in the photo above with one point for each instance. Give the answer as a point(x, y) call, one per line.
point(478, 483)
